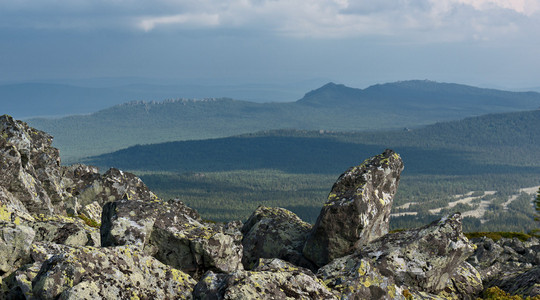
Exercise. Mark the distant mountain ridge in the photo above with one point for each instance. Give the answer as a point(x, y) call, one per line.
point(37, 99)
point(490, 143)
point(332, 107)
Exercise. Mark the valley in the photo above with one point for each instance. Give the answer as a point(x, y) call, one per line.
point(225, 157)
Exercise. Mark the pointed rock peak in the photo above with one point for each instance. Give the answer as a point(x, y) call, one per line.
point(357, 210)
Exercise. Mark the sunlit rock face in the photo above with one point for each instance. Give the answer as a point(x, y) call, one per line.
point(270, 279)
point(357, 210)
point(419, 260)
point(173, 233)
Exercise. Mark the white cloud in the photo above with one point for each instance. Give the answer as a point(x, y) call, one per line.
point(428, 20)
point(196, 20)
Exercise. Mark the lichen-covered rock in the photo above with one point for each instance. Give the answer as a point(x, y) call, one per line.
point(274, 233)
point(173, 233)
point(419, 260)
point(508, 263)
point(109, 273)
point(15, 242)
point(504, 258)
point(357, 210)
point(127, 222)
point(357, 278)
point(66, 231)
point(88, 199)
point(33, 182)
point(271, 279)
point(525, 284)
point(466, 284)
point(11, 208)
point(29, 166)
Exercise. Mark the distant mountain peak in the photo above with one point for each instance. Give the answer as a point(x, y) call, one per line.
point(330, 91)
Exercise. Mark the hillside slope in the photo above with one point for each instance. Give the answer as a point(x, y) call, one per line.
point(478, 166)
point(490, 143)
point(332, 107)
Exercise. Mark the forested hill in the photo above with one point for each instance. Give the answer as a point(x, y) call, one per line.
point(496, 143)
point(331, 107)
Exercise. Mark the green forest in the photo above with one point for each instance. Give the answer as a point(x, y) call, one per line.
point(227, 178)
point(332, 107)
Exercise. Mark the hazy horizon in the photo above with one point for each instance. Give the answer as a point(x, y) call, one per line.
point(486, 43)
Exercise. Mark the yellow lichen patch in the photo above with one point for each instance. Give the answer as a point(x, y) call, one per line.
point(134, 297)
point(392, 291)
point(179, 276)
point(4, 214)
point(362, 269)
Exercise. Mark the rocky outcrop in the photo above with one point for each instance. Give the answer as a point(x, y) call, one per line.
point(73, 233)
point(32, 181)
point(271, 279)
point(509, 264)
point(419, 260)
point(274, 233)
point(109, 273)
point(357, 210)
point(30, 168)
point(173, 233)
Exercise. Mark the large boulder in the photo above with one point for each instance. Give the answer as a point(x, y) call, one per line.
point(274, 233)
point(357, 210)
point(173, 233)
point(15, 246)
point(466, 284)
point(91, 191)
point(65, 231)
point(420, 260)
point(29, 167)
point(109, 273)
point(271, 279)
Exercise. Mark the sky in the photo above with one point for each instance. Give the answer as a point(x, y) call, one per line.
point(490, 43)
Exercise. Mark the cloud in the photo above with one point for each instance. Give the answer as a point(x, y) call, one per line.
point(424, 20)
point(195, 20)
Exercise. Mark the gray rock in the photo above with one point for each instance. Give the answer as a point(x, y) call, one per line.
point(357, 210)
point(15, 246)
point(274, 233)
point(173, 233)
point(272, 279)
point(27, 159)
point(525, 283)
point(418, 260)
point(466, 284)
point(509, 264)
point(109, 273)
point(66, 231)
point(88, 199)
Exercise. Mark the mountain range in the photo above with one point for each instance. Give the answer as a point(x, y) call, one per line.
point(59, 99)
point(333, 107)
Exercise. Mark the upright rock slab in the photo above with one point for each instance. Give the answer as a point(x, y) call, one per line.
point(357, 210)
